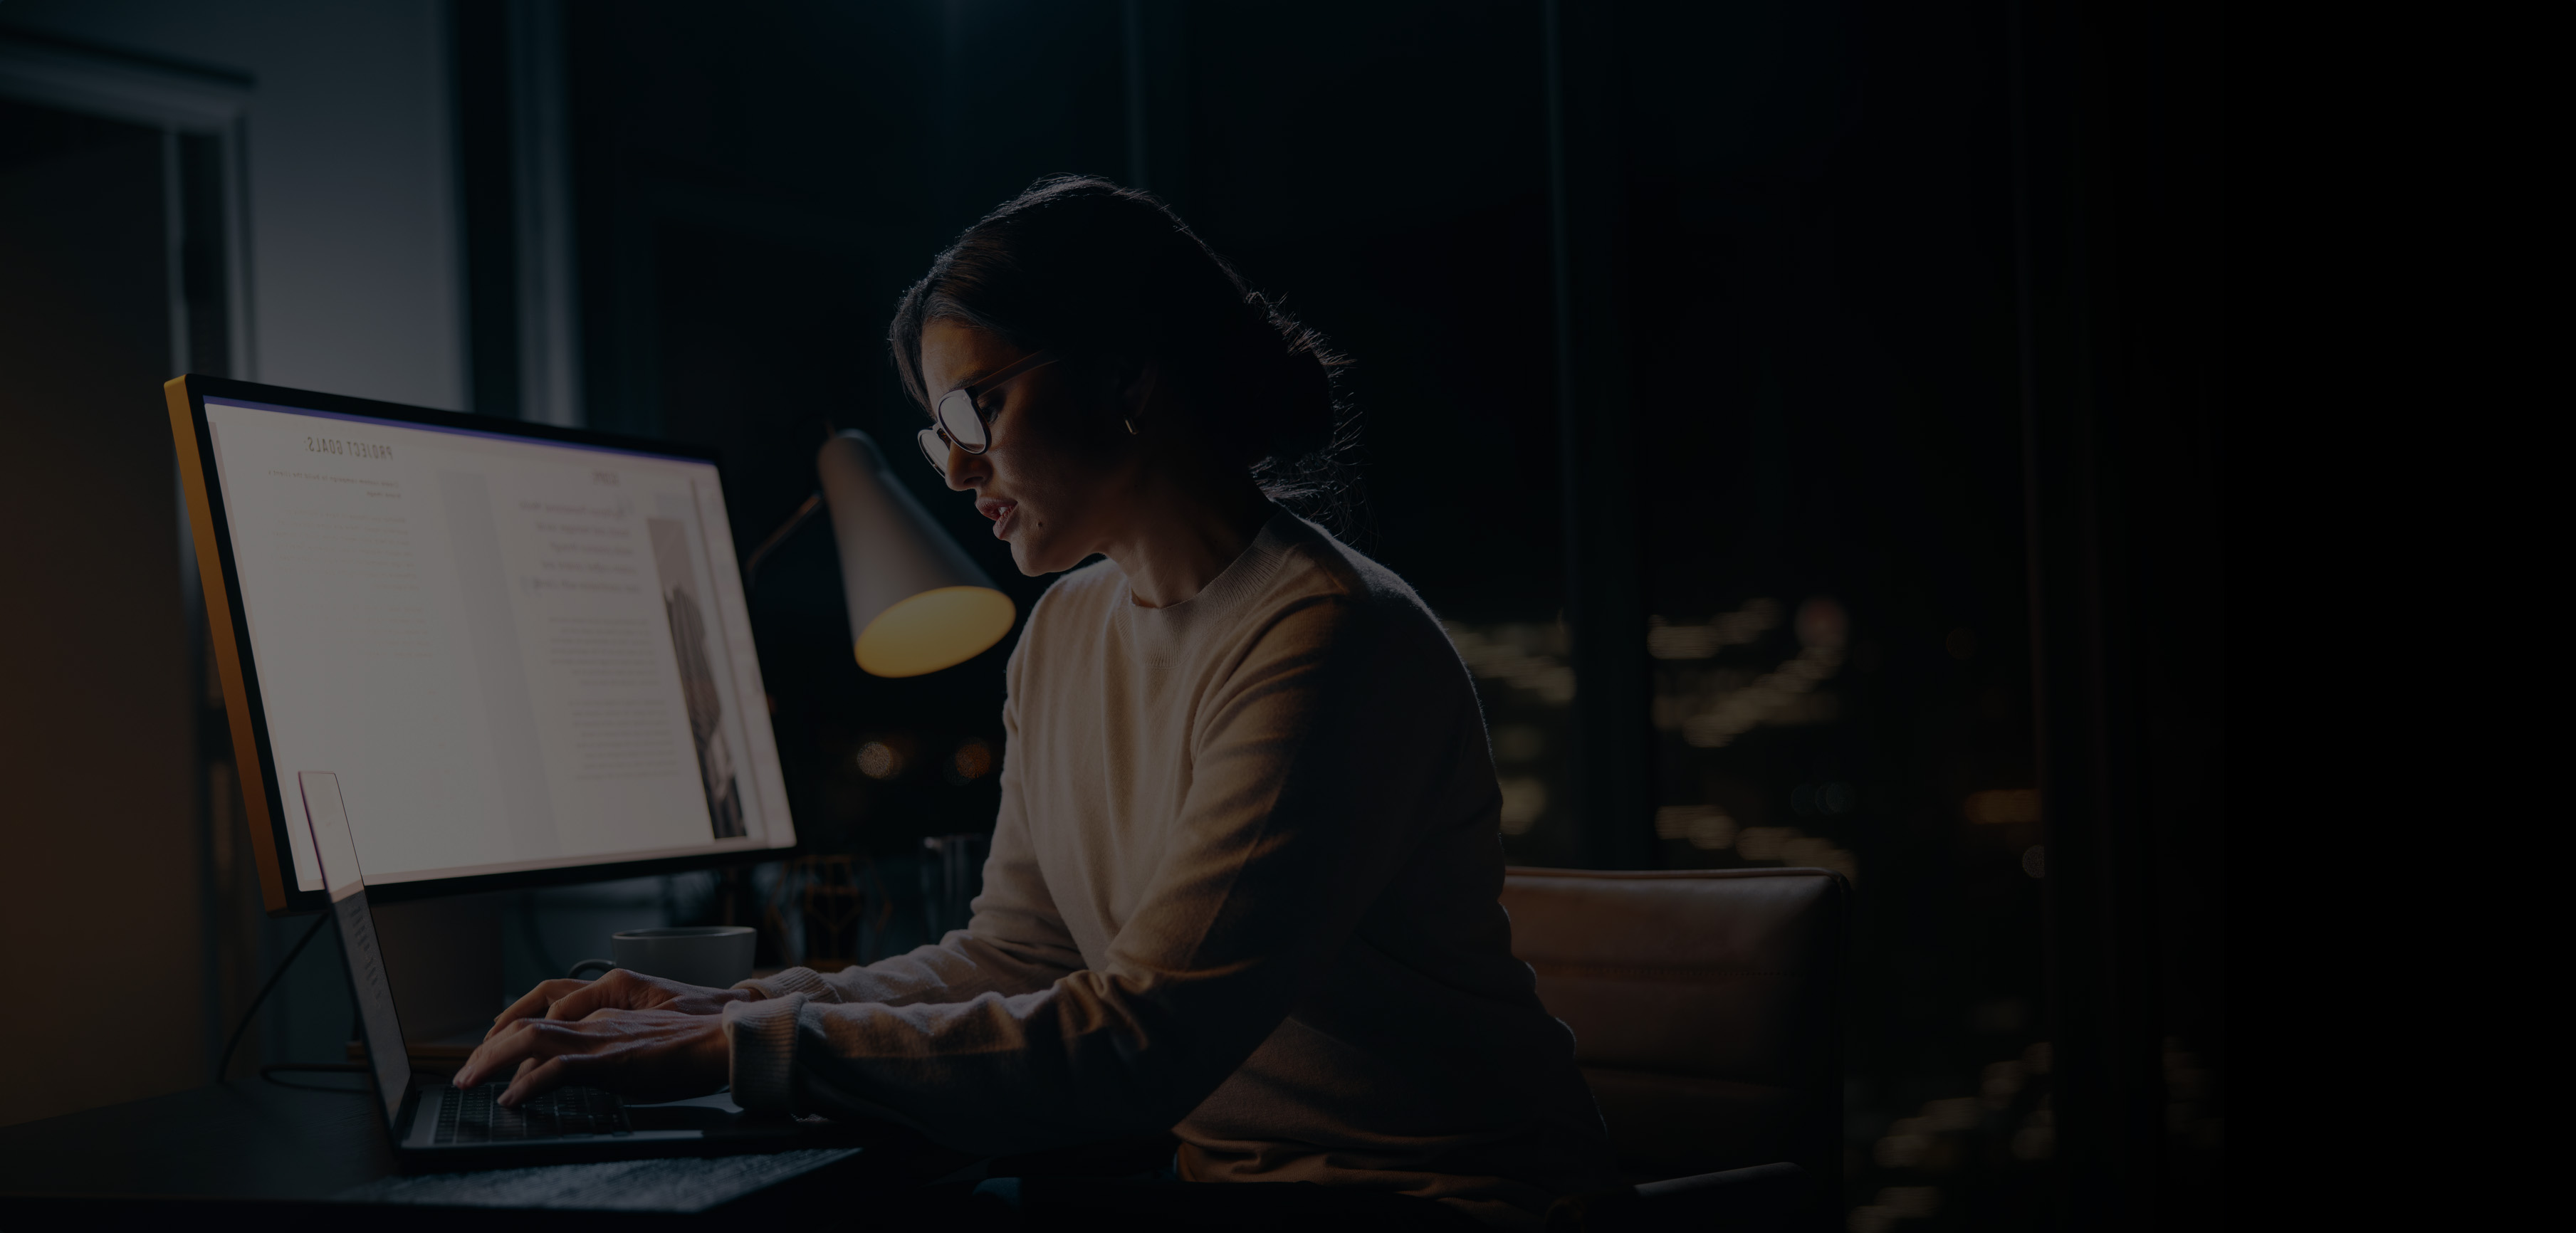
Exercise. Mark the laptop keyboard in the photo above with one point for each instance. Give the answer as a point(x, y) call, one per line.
point(476, 1116)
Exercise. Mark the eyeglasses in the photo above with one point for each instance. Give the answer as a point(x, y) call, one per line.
point(959, 417)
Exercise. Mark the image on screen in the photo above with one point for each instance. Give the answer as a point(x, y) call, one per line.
point(514, 654)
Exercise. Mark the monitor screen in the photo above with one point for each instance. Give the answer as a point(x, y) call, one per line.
point(508, 654)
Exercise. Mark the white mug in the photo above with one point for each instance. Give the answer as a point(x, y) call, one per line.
point(711, 956)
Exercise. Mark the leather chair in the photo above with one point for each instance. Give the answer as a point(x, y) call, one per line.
point(1706, 1008)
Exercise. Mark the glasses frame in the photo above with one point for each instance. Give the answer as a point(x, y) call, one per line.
point(965, 405)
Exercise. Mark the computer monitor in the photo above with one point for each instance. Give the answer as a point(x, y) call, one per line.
point(520, 652)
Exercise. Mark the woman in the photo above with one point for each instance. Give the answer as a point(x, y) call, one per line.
point(1243, 885)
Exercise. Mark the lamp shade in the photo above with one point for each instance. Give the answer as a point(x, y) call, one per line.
point(917, 603)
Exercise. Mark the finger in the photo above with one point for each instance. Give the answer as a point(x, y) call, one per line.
point(527, 1038)
point(534, 1003)
point(619, 989)
point(540, 1079)
point(616, 989)
point(495, 1052)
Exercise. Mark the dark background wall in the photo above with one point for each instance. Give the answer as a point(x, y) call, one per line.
point(98, 736)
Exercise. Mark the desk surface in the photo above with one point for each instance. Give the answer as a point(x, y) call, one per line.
point(263, 1142)
point(244, 1139)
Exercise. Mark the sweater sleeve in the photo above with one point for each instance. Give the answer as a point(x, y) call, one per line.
point(1316, 762)
point(1015, 943)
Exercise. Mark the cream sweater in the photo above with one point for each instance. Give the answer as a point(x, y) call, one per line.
point(1243, 886)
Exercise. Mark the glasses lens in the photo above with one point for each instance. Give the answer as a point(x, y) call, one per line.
point(935, 448)
point(957, 415)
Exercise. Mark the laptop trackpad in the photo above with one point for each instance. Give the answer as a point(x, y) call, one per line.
point(715, 1116)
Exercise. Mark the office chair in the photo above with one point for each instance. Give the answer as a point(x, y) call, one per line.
point(1706, 1011)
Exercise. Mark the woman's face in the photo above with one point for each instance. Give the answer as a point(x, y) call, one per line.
point(1053, 479)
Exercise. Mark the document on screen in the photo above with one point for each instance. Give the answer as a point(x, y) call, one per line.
point(516, 654)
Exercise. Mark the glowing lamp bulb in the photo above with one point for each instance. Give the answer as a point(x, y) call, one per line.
point(917, 602)
point(934, 630)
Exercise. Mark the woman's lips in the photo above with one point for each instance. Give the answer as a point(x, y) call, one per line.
point(1000, 512)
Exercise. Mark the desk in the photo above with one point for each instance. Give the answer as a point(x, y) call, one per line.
point(298, 1158)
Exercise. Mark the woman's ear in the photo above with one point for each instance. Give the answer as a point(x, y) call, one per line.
point(1138, 384)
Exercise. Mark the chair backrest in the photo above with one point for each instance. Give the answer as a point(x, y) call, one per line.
point(1706, 1008)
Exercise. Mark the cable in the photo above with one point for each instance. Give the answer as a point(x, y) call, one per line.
point(273, 978)
point(751, 567)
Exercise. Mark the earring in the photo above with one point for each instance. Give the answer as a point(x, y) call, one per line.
point(1131, 427)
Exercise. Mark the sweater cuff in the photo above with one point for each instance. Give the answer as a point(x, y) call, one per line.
point(793, 980)
point(762, 1037)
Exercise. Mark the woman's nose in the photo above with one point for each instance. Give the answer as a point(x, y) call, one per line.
point(963, 470)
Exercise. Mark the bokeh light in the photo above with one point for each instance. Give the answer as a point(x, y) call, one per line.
point(1524, 799)
point(880, 760)
point(2002, 806)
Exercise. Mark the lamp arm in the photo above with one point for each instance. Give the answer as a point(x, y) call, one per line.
point(804, 514)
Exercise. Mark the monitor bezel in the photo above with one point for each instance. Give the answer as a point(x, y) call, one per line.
point(263, 799)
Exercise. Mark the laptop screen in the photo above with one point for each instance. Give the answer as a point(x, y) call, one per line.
point(336, 857)
point(509, 654)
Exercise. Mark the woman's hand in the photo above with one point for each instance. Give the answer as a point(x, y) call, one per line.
point(647, 1055)
point(643, 1036)
point(619, 989)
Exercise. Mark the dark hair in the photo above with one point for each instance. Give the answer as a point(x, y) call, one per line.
point(1110, 275)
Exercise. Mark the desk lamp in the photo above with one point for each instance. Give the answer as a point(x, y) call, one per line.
point(917, 603)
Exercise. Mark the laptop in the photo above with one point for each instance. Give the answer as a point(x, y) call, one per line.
point(435, 1126)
